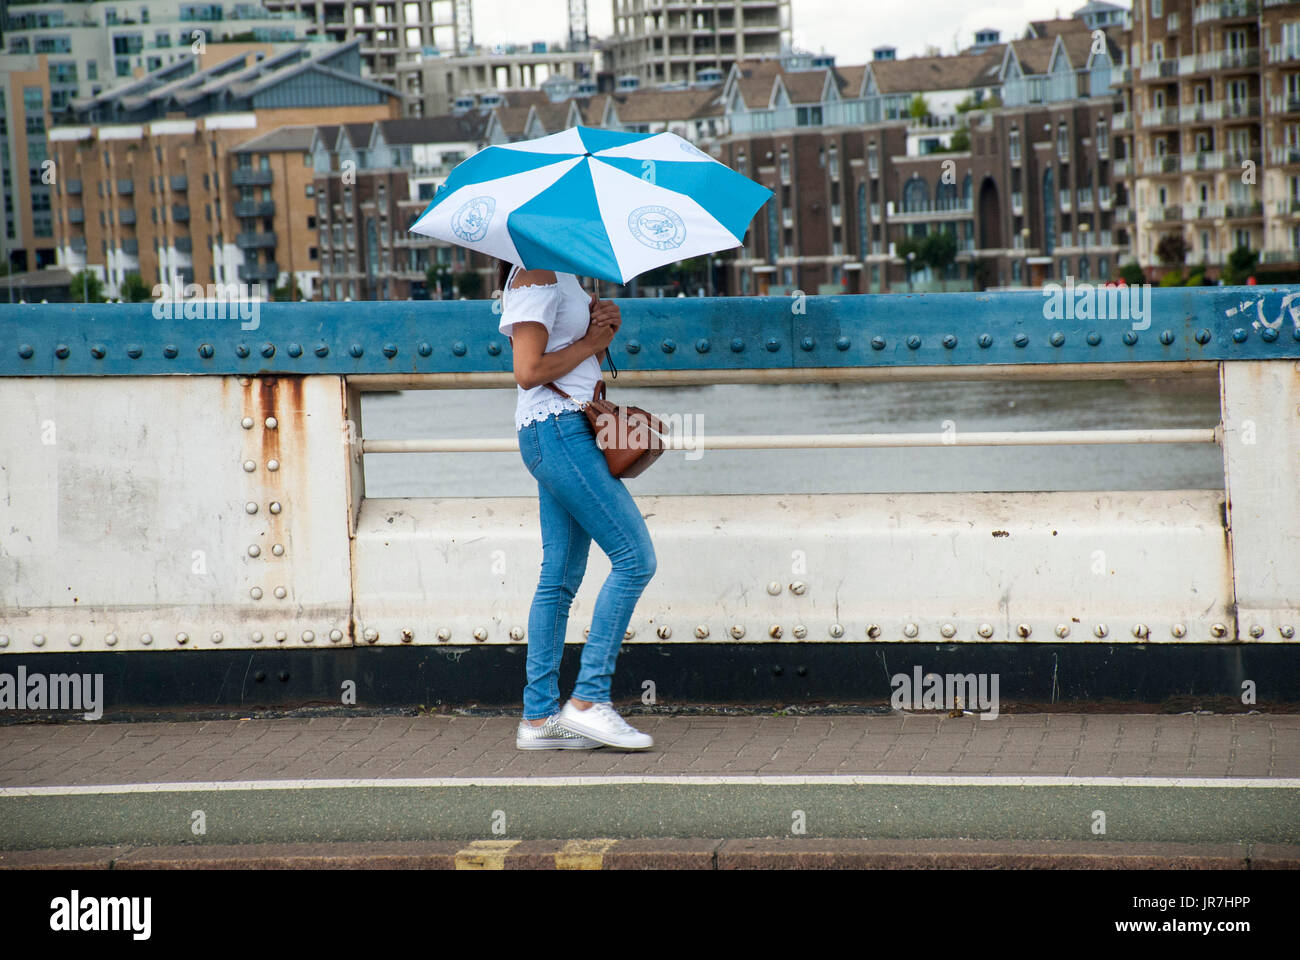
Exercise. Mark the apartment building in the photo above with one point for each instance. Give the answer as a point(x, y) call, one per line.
point(394, 169)
point(671, 41)
point(151, 180)
point(1006, 147)
point(1213, 129)
point(439, 84)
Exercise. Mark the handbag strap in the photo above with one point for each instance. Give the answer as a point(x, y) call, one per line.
point(598, 392)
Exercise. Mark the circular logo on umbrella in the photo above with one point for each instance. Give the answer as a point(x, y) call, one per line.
point(470, 222)
point(693, 150)
point(657, 227)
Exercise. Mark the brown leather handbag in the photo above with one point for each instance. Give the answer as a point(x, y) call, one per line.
point(631, 438)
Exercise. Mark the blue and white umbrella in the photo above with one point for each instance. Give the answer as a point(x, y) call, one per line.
point(594, 202)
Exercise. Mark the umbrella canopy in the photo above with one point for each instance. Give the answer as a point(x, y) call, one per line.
point(597, 203)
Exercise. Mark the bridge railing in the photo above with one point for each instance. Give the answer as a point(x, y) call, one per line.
point(175, 479)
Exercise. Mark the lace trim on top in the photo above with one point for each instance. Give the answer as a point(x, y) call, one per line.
point(545, 408)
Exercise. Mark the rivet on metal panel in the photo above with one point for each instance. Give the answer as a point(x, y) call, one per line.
point(281, 636)
point(110, 640)
point(4, 640)
point(272, 423)
point(99, 351)
point(356, 350)
point(1203, 336)
point(74, 640)
point(443, 634)
point(913, 342)
point(1093, 338)
point(216, 636)
point(772, 344)
point(1256, 630)
point(663, 631)
point(877, 343)
point(737, 345)
point(836, 630)
point(873, 631)
point(516, 633)
point(1239, 335)
point(273, 464)
point(1129, 338)
point(701, 631)
point(133, 351)
point(407, 635)
point(773, 587)
point(1178, 630)
point(281, 593)
point(629, 633)
point(268, 350)
point(38, 640)
point(254, 550)
point(246, 423)
point(295, 350)
point(255, 593)
point(807, 343)
point(1100, 631)
point(278, 549)
point(798, 588)
point(775, 631)
point(146, 638)
point(61, 351)
point(1021, 340)
point(390, 350)
point(170, 351)
point(322, 350)
point(241, 350)
point(275, 506)
point(842, 343)
point(1218, 630)
point(1166, 337)
point(1268, 334)
point(737, 631)
point(633, 346)
point(799, 631)
point(1062, 630)
point(424, 348)
point(668, 346)
point(1287, 631)
point(985, 341)
point(459, 348)
point(182, 638)
point(257, 636)
point(948, 631)
point(1057, 338)
point(586, 632)
point(308, 636)
point(336, 636)
point(480, 634)
point(249, 466)
point(702, 345)
point(1023, 631)
point(1141, 631)
point(985, 630)
point(949, 341)
point(250, 507)
point(26, 352)
point(911, 630)
point(370, 634)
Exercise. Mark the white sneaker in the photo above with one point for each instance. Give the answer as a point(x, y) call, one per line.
point(602, 723)
point(551, 736)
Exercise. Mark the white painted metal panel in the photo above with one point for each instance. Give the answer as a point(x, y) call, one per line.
point(941, 563)
point(123, 512)
point(1261, 419)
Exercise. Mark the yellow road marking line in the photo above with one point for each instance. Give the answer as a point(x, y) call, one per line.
point(484, 855)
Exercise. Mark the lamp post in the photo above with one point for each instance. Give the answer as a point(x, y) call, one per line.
point(1024, 245)
point(1083, 234)
point(911, 258)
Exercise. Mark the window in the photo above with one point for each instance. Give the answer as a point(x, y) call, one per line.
point(311, 190)
point(916, 196)
point(1157, 8)
point(1063, 141)
point(1103, 268)
point(1013, 144)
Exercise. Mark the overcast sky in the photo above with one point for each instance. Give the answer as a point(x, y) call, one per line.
point(846, 28)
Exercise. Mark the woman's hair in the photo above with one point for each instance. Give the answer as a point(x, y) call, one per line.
point(503, 271)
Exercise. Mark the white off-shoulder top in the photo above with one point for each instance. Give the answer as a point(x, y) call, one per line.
point(563, 308)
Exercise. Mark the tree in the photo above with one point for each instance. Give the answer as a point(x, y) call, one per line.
point(1172, 249)
point(437, 274)
point(134, 289)
point(1241, 264)
point(938, 251)
point(919, 108)
point(86, 288)
point(469, 283)
point(1132, 274)
point(960, 142)
point(289, 291)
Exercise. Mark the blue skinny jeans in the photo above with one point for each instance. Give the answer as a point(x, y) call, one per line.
point(579, 502)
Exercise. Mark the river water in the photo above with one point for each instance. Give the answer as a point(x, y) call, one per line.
point(831, 408)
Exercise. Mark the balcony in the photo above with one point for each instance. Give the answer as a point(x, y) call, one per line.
point(1202, 211)
point(1279, 256)
point(254, 208)
point(1157, 166)
point(1017, 203)
point(1244, 211)
point(125, 188)
point(1121, 121)
point(1122, 167)
point(1160, 117)
point(180, 183)
point(1287, 208)
point(248, 177)
point(72, 188)
point(126, 217)
point(1283, 53)
point(933, 211)
point(76, 215)
point(1123, 215)
point(268, 272)
point(1286, 156)
point(180, 213)
point(1225, 10)
point(1066, 201)
point(1240, 109)
point(875, 213)
point(1284, 103)
point(253, 241)
point(1170, 213)
point(1154, 69)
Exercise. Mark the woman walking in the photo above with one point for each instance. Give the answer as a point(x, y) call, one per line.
point(559, 335)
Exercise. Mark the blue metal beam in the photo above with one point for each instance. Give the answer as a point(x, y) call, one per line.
point(1214, 323)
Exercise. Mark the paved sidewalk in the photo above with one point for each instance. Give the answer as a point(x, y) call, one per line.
point(1143, 745)
point(1132, 779)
